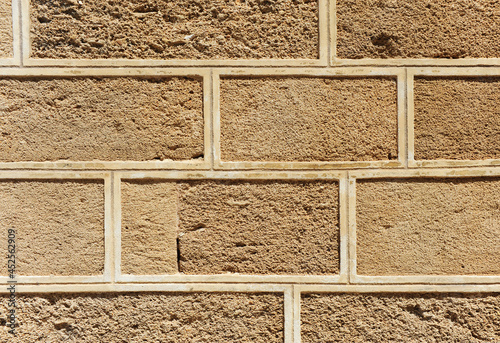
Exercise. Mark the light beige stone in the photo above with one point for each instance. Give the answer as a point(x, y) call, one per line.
point(108, 119)
point(360, 318)
point(149, 228)
point(182, 29)
point(259, 227)
point(428, 226)
point(6, 37)
point(418, 29)
point(457, 118)
point(59, 226)
point(308, 119)
point(147, 317)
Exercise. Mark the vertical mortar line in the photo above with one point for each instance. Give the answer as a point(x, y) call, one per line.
point(178, 222)
point(288, 314)
point(117, 215)
point(16, 32)
point(25, 31)
point(402, 122)
point(296, 314)
point(344, 228)
point(323, 32)
point(108, 229)
point(207, 118)
point(333, 31)
point(410, 108)
point(352, 228)
point(215, 118)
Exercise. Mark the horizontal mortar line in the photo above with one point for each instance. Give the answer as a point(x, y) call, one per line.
point(143, 287)
point(224, 278)
point(52, 279)
point(220, 174)
point(111, 72)
point(172, 167)
point(339, 70)
point(453, 163)
point(105, 165)
point(393, 288)
point(12, 62)
point(426, 279)
point(427, 172)
point(334, 280)
point(34, 62)
point(178, 174)
point(340, 165)
point(252, 63)
point(54, 174)
point(197, 71)
point(253, 288)
point(410, 62)
point(454, 71)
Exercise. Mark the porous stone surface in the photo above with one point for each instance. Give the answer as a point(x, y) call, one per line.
point(182, 29)
point(6, 48)
point(59, 226)
point(259, 227)
point(400, 318)
point(425, 226)
point(149, 227)
point(147, 317)
point(82, 119)
point(308, 119)
point(418, 29)
point(457, 118)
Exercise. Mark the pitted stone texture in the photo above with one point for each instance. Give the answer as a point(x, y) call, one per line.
point(418, 29)
point(59, 226)
point(181, 29)
point(6, 47)
point(107, 119)
point(259, 227)
point(360, 318)
point(457, 118)
point(308, 119)
point(149, 227)
point(147, 317)
point(425, 226)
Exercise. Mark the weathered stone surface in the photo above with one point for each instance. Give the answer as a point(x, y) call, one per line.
point(149, 228)
point(418, 29)
point(259, 227)
point(181, 29)
point(308, 119)
point(400, 318)
point(59, 226)
point(6, 48)
point(108, 119)
point(147, 317)
point(457, 118)
point(425, 226)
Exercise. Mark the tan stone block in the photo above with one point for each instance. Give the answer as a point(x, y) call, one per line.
point(148, 317)
point(108, 119)
point(182, 29)
point(417, 29)
point(428, 226)
point(259, 227)
point(59, 226)
point(6, 36)
point(400, 318)
point(149, 228)
point(457, 118)
point(308, 119)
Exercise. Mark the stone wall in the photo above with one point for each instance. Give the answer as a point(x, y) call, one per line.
point(250, 170)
